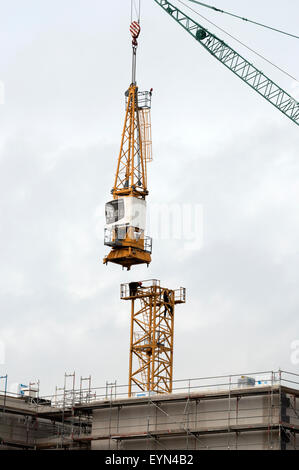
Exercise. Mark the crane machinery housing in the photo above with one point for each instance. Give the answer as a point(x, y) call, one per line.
point(126, 213)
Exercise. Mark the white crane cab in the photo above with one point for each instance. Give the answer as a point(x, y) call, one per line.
point(125, 222)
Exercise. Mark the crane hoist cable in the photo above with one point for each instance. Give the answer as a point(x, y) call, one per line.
point(240, 42)
point(135, 31)
point(244, 19)
point(135, 10)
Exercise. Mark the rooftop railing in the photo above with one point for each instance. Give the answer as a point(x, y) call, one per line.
point(220, 383)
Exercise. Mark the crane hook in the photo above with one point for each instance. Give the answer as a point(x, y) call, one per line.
point(135, 31)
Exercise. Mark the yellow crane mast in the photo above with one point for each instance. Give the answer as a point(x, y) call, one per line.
point(126, 213)
point(152, 334)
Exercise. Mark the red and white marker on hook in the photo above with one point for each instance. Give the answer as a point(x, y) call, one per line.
point(135, 31)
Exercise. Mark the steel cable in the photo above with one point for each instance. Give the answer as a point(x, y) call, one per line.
point(244, 19)
point(240, 42)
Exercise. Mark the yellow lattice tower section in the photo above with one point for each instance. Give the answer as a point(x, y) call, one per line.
point(131, 174)
point(125, 229)
point(152, 335)
point(127, 237)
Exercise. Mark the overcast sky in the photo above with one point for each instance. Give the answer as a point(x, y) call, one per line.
point(217, 145)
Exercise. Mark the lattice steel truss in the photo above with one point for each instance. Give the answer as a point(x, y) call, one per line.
point(236, 63)
point(135, 151)
point(152, 334)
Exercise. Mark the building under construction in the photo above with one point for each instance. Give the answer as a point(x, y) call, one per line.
point(253, 411)
point(153, 411)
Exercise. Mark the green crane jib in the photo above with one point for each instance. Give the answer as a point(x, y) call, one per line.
point(236, 63)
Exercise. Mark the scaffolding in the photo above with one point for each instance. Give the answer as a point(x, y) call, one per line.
point(254, 410)
point(224, 412)
point(5, 378)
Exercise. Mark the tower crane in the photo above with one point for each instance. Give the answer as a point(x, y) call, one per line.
point(240, 66)
point(126, 213)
